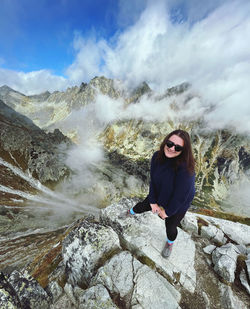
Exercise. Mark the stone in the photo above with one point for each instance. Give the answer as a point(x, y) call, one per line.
point(237, 232)
point(189, 223)
point(225, 259)
point(63, 303)
point(244, 282)
point(95, 297)
point(149, 290)
point(209, 249)
point(248, 266)
point(8, 296)
point(54, 290)
point(145, 235)
point(117, 275)
point(229, 300)
point(70, 293)
point(242, 249)
point(28, 291)
point(213, 233)
point(86, 248)
point(135, 284)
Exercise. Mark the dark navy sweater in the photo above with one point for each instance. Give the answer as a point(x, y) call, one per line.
point(173, 190)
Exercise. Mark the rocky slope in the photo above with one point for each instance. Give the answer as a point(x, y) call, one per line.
point(24, 144)
point(114, 263)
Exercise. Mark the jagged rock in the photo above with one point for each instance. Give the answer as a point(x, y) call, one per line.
point(21, 290)
point(237, 232)
point(86, 248)
point(70, 293)
point(55, 291)
point(244, 282)
point(117, 275)
point(145, 234)
point(248, 266)
point(135, 284)
point(63, 303)
point(224, 259)
point(229, 300)
point(189, 223)
point(95, 297)
point(242, 249)
point(8, 296)
point(209, 249)
point(213, 233)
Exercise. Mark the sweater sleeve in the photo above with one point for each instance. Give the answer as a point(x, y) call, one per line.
point(152, 190)
point(183, 193)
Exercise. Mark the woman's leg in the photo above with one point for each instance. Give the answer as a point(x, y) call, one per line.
point(171, 225)
point(142, 206)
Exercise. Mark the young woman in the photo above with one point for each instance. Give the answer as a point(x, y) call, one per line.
point(171, 185)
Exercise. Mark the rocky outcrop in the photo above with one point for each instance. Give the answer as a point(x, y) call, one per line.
point(117, 263)
point(25, 145)
point(20, 290)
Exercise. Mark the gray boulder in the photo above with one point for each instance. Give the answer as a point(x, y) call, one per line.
point(136, 285)
point(189, 223)
point(229, 300)
point(213, 233)
point(86, 248)
point(244, 282)
point(20, 290)
point(237, 232)
point(225, 259)
point(95, 297)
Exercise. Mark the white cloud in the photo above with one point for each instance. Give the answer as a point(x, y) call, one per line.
point(32, 82)
point(212, 54)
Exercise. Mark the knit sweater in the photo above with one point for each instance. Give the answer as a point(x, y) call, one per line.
point(173, 190)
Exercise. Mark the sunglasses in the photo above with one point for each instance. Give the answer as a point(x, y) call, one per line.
point(177, 148)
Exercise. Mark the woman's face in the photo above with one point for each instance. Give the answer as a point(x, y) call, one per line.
point(170, 152)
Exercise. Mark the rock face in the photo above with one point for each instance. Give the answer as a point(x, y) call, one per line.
point(117, 263)
point(27, 146)
point(85, 247)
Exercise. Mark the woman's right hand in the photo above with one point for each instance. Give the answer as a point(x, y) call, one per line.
point(155, 208)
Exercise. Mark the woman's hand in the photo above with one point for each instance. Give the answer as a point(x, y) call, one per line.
point(162, 213)
point(155, 208)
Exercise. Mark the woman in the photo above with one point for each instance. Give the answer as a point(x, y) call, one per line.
point(171, 184)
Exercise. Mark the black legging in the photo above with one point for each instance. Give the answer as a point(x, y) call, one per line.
point(171, 223)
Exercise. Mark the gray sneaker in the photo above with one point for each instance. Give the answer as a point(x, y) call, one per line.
point(167, 250)
point(125, 214)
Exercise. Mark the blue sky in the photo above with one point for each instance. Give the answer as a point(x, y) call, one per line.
point(37, 35)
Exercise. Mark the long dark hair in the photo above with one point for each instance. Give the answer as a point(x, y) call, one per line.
point(186, 156)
